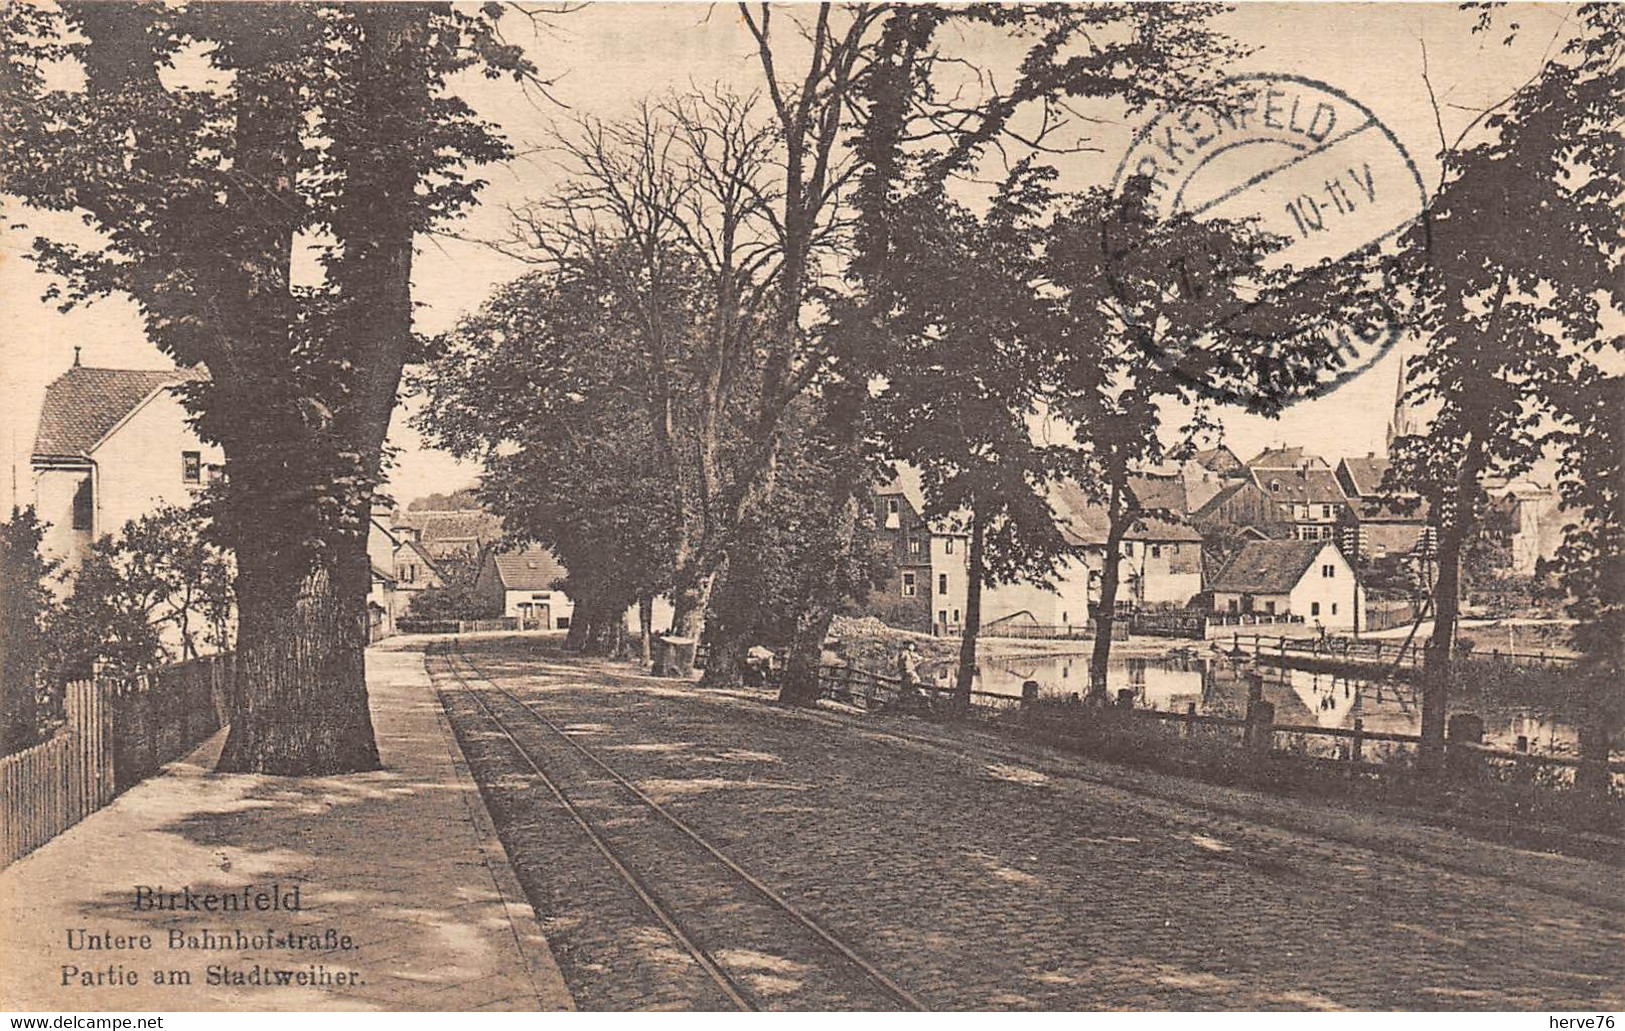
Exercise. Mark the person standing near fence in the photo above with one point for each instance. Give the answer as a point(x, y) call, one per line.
point(908, 673)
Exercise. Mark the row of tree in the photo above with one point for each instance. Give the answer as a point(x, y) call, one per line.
point(644, 409)
point(745, 305)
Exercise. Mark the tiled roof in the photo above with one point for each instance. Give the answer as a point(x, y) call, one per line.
point(428, 562)
point(1285, 458)
point(1160, 493)
point(532, 569)
point(1220, 459)
point(907, 484)
point(455, 524)
point(1310, 486)
point(1267, 567)
point(82, 404)
point(1365, 474)
point(1084, 522)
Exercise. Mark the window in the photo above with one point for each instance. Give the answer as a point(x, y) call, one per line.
point(1314, 608)
point(192, 466)
point(1328, 571)
point(891, 506)
point(909, 588)
point(1275, 486)
point(1128, 547)
point(942, 583)
point(1234, 606)
point(1325, 511)
point(562, 623)
point(913, 545)
point(82, 509)
point(948, 546)
point(1269, 607)
point(1156, 551)
point(1334, 608)
point(956, 615)
point(409, 573)
point(942, 617)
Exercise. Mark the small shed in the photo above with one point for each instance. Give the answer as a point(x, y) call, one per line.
point(524, 584)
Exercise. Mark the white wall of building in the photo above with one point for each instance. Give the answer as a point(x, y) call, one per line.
point(139, 465)
point(549, 606)
point(1327, 593)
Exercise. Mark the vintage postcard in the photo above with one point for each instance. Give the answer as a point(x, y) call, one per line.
point(812, 507)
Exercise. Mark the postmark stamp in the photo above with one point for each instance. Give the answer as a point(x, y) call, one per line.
point(1305, 163)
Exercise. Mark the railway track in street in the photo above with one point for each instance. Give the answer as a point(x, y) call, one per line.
point(755, 948)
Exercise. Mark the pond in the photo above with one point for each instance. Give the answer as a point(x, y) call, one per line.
point(1216, 688)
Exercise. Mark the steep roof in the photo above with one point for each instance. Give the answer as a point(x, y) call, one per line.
point(1160, 493)
point(428, 561)
point(83, 404)
point(1083, 522)
point(1310, 486)
point(452, 524)
point(1364, 475)
point(530, 569)
point(1285, 458)
point(905, 482)
point(1219, 459)
point(908, 485)
point(1267, 567)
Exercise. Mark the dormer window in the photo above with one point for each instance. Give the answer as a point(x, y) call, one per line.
point(1275, 486)
point(191, 466)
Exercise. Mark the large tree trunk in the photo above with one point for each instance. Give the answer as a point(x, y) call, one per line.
point(973, 615)
point(806, 658)
point(300, 693)
point(689, 602)
point(1438, 667)
point(301, 697)
point(1439, 653)
point(1106, 612)
point(732, 624)
point(646, 622)
point(805, 661)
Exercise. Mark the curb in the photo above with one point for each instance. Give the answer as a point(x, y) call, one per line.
point(542, 969)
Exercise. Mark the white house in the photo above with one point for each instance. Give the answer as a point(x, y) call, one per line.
point(112, 445)
point(525, 584)
point(1310, 579)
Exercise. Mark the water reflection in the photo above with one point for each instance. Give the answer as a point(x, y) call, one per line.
point(1218, 687)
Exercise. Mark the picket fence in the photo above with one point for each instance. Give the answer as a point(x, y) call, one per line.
point(49, 787)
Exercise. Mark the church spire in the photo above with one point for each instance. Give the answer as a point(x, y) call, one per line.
point(1406, 421)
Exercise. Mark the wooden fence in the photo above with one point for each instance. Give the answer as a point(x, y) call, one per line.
point(1391, 654)
point(113, 736)
point(49, 787)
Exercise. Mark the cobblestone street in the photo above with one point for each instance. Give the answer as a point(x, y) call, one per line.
point(976, 879)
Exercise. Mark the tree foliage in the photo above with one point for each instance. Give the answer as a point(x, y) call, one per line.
point(25, 606)
point(153, 594)
point(964, 377)
point(1513, 287)
point(327, 125)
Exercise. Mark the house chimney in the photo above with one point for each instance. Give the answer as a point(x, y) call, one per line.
point(76, 350)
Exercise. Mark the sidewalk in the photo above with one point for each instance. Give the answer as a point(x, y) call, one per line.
point(402, 861)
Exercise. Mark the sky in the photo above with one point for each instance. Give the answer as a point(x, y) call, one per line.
point(607, 57)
